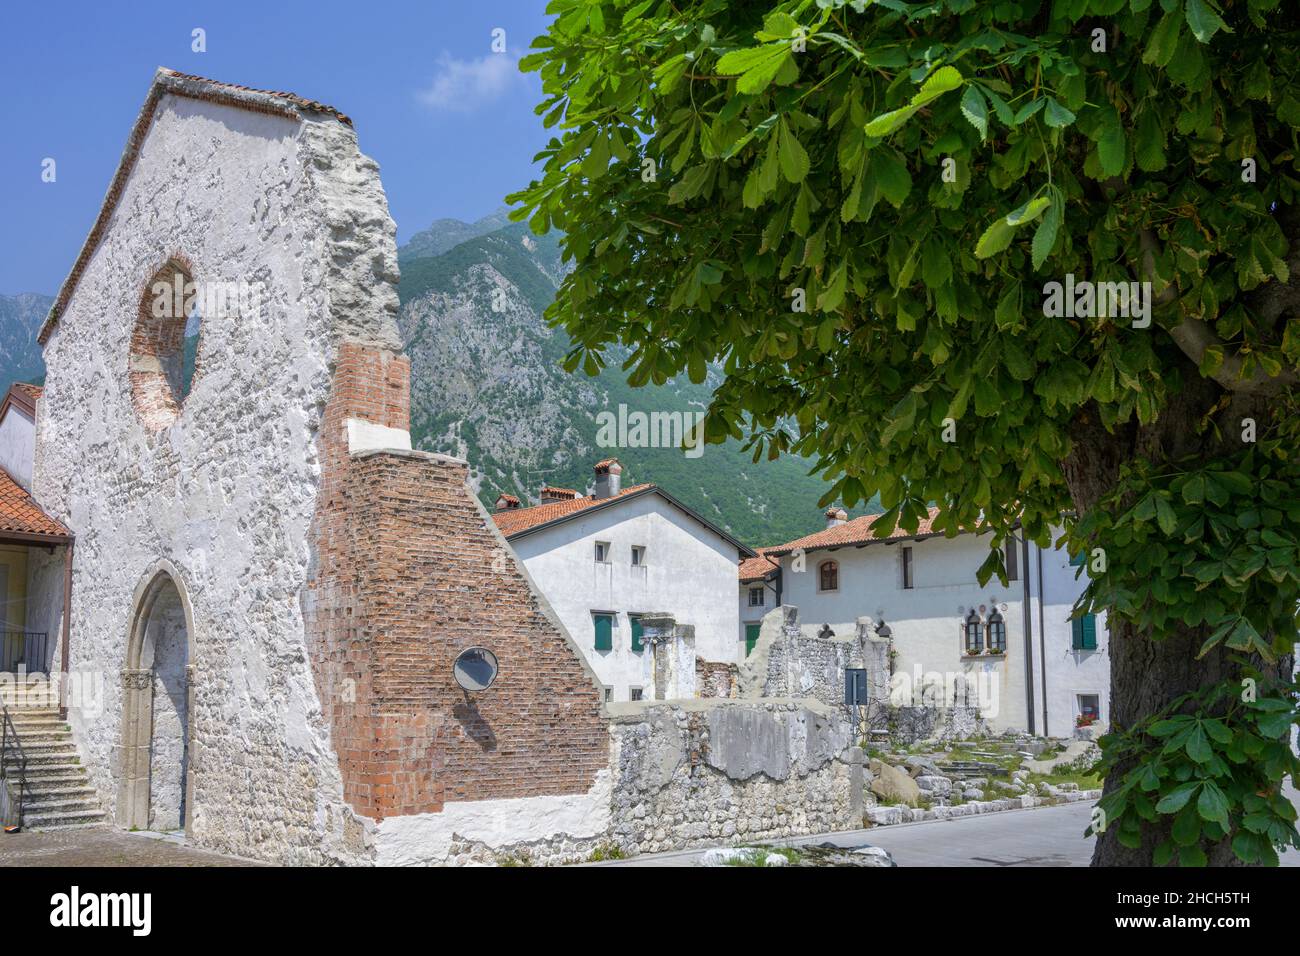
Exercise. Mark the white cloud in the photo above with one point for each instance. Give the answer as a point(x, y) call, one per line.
point(464, 85)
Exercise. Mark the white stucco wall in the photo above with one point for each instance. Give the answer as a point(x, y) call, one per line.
point(927, 619)
point(690, 573)
point(1069, 673)
point(17, 445)
point(226, 494)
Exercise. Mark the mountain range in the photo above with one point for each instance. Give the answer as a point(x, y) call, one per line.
point(486, 385)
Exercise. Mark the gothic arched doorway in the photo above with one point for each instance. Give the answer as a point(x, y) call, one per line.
point(156, 707)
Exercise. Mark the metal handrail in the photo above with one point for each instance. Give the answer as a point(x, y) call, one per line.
point(24, 650)
point(8, 730)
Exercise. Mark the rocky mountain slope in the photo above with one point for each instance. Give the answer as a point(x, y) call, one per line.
point(20, 319)
point(488, 388)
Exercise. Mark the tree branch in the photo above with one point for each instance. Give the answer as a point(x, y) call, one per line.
point(1195, 337)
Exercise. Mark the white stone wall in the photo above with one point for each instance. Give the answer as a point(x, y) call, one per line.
point(226, 494)
point(688, 574)
point(17, 442)
point(927, 619)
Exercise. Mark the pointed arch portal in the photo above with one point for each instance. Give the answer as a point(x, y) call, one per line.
point(156, 707)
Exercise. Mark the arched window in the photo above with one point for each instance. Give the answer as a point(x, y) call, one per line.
point(974, 639)
point(828, 576)
point(997, 633)
point(164, 345)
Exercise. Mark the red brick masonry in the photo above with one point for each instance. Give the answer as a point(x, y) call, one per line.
point(408, 574)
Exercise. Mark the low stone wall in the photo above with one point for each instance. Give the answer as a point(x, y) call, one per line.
point(694, 772)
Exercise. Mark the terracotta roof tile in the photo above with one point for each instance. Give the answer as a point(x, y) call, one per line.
point(857, 531)
point(31, 391)
point(756, 569)
point(521, 519)
point(20, 512)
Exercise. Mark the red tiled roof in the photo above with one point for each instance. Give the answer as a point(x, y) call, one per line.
point(604, 464)
point(31, 391)
point(19, 512)
point(755, 569)
point(857, 531)
point(521, 519)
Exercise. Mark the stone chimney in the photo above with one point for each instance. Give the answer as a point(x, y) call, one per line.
point(609, 475)
point(506, 502)
point(550, 493)
point(836, 517)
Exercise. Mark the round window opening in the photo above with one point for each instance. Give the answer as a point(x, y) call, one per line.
point(475, 668)
point(165, 345)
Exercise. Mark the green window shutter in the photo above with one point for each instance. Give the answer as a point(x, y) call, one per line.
point(604, 632)
point(636, 632)
point(1089, 632)
point(751, 637)
point(1076, 627)
point(1078, 559)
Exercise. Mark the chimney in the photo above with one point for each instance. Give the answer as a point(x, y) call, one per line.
point(506, 502)
point(836, 517)
point(608, 477)
point(551, 493)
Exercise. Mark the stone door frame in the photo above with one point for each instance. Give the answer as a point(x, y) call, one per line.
point(137, 701)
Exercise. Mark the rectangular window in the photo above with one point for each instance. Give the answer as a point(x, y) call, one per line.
point(602, 552)
point(751, 637)
point(755, 597)
point(905, 555)
point(1013, 562)
point(604, 624)
point(635, 621)
point(1089, 708)
point(638, 555)
point(609, 694)
point(634, 693)
point(1085, 632)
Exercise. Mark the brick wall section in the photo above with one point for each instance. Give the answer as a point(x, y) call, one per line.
point(158, 347)
point(408, 575)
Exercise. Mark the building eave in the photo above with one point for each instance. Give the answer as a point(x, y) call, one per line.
point(745, 551)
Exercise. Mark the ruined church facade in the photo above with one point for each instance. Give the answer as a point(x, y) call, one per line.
point(269, 586)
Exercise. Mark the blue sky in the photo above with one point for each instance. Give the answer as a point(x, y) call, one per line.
point(452, 129)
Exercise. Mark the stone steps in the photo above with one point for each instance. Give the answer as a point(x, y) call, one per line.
point(57, 795)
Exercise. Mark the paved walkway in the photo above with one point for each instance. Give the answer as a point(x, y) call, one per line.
point(104, 846)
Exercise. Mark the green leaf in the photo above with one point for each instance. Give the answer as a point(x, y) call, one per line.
point(1045, 234)
point(1164, 39)
point(976, 111)
point(1213, 805)
point(1057, 115)
point(1111, 147)
point(757, 66)
point(1204, 21)
point(794, 158)
point(996, 238)
point(1176, 799)
point(886, 123)
point(1165, 516)
point(892, 177)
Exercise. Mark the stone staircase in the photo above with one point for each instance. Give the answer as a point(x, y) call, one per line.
point(58, 795)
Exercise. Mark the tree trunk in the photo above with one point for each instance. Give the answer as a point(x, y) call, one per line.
point(1145, 674)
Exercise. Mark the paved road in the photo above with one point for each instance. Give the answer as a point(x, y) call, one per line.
point(1046, 836)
